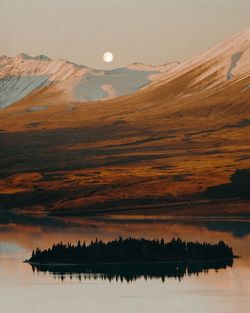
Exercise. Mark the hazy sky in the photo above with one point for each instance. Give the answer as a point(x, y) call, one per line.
point(149, 31)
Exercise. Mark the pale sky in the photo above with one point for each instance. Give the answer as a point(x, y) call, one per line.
point(148, 31)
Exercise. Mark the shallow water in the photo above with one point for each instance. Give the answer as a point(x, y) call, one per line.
point(21, 290)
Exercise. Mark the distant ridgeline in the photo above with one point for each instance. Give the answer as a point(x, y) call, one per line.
point(131, 251)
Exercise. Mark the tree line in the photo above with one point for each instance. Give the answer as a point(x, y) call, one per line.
point(131, 250)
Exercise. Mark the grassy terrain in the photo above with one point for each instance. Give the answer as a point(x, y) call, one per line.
point(165, 144)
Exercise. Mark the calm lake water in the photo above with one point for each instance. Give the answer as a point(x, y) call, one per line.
point(22, 291)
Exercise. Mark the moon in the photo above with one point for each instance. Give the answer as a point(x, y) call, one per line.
point(108, 57)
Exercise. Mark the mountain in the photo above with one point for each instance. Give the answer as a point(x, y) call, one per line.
point(24, 74)
point(159, 148)
point(226, 61)
point(216, 82)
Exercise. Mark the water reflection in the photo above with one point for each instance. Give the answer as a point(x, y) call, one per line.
point(128, 272)
point(43, 291)
point(21, 289)
point(29, 237)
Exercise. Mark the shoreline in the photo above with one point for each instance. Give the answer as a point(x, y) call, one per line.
point(126, 263)
point(202, 208)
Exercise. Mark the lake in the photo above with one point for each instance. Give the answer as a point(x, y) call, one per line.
point(23, 291)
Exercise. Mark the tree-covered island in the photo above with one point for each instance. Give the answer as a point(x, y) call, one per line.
point(131, 251)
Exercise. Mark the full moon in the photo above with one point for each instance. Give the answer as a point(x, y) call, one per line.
point(108, 57)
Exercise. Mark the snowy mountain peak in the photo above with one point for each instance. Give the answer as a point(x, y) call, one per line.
point(27, 57)
point(2, 57)
point(229, 60)
point(42, 57)
point(24, 74)
point(139, 66)
point(24, 56)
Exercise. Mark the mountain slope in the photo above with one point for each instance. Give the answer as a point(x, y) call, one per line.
point(166, 143)
point(21, 75)
point(226, 61)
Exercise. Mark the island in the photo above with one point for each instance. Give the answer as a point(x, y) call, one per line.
point(129, 259)
point(131, 251)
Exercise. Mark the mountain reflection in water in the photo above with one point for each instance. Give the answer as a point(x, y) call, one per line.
point(128, 272)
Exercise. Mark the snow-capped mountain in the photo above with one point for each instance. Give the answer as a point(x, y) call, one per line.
point(23, 74)
point(225, 62)
point(218, 79)
point(179, 135)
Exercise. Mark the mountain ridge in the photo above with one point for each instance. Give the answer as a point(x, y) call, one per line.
point(161, 147)
point(24, 74)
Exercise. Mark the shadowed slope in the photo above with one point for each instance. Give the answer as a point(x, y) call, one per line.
point(173, 139)
point(24, 75)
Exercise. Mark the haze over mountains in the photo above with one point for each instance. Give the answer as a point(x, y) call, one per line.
point(185, 131)
point(24, 74)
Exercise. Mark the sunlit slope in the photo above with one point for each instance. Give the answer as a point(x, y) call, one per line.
point(24, 75)
point(213, 84)
point(185, 132)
